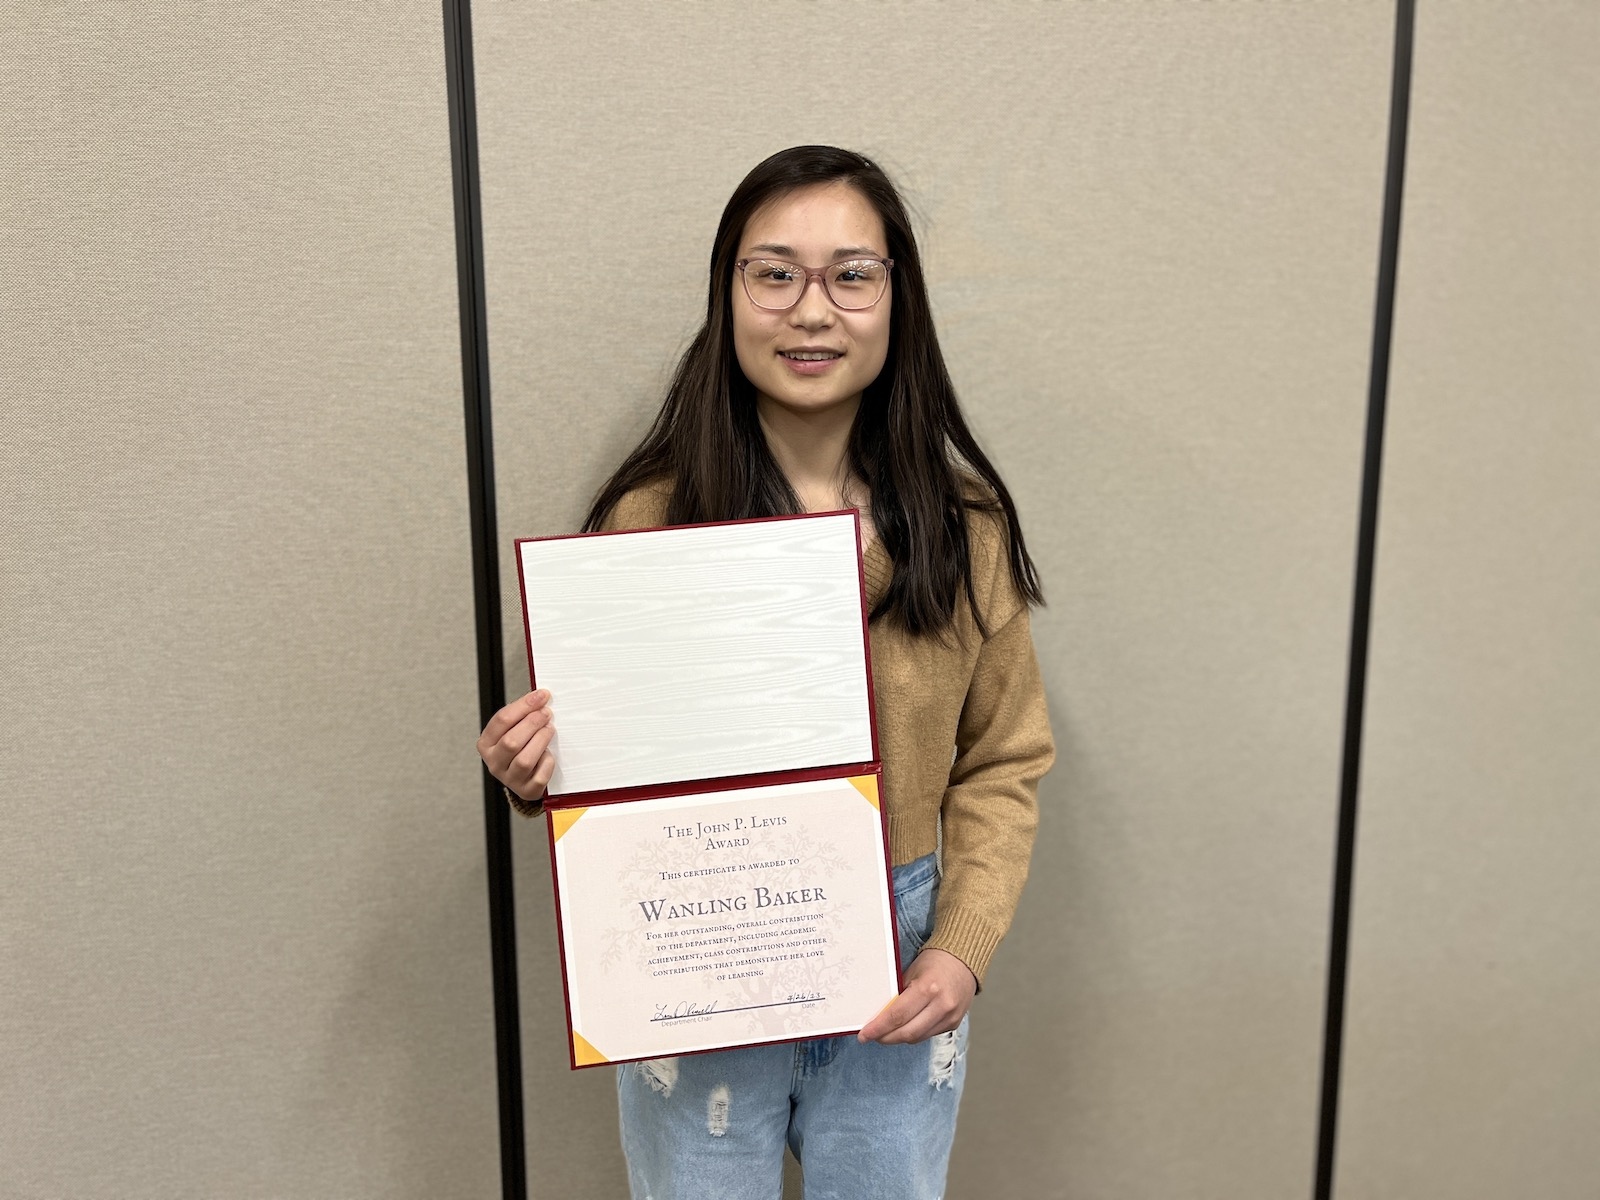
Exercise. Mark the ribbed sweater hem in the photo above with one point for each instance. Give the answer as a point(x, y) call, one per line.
point(910, 837)
point(528, 808)
point(968, 935)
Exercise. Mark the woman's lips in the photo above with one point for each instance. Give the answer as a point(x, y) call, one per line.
point(811, 367)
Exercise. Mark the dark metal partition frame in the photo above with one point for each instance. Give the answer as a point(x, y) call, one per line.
point(485, 580)
point(1361, 607)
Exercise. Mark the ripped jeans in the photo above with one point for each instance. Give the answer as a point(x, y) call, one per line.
point(865, 1120)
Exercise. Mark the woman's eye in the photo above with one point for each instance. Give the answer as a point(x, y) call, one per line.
point(856, 272)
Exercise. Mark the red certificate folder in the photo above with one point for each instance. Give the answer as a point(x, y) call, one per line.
point(717, 841)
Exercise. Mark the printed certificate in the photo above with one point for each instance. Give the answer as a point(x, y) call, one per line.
point(715, 919)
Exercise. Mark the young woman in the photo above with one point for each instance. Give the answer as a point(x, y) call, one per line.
point(815, 384)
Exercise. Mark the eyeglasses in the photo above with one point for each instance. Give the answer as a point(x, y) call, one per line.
point(776, 285)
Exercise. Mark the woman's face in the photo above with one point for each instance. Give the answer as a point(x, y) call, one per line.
point(814, 226)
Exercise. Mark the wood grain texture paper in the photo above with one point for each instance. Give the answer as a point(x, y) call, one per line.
point(699, 652)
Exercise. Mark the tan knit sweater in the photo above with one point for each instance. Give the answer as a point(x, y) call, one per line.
point(963, 732)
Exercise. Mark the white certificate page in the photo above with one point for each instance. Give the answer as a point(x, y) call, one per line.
point(720, 919)
point(701, 652)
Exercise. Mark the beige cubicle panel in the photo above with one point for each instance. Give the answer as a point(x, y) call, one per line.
point(243, 944)
point(1472, 1066)
point(1151, 233)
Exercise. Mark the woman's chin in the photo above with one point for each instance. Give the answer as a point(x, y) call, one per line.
point(803, 403)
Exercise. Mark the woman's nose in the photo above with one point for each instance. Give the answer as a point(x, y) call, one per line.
point(813, 303)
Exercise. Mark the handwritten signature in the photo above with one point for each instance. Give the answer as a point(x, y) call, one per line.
point(684, 1008)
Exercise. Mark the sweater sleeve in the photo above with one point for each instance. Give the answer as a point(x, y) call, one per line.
point(645, 507)
point(990, 808)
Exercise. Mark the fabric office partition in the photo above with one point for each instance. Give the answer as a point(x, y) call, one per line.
point(1473, 1049)
point(242, 921)
point(1152, 236)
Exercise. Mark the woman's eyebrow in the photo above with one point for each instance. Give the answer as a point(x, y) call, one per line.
point(841, 252)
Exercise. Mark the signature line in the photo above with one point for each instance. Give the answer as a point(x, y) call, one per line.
point(745, 1008)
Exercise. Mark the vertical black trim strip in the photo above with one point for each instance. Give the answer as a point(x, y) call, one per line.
point(485, 579)
point(1366, 552)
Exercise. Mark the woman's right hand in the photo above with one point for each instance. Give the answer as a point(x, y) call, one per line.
point(515, 745)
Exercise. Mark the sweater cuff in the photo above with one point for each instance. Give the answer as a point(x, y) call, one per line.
point(969, 936)
point(528, 808)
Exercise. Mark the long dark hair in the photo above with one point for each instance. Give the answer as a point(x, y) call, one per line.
point(909, 441)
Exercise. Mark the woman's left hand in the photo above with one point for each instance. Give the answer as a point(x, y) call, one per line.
point(939, 991)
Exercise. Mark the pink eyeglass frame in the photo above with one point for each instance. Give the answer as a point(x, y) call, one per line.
point(817, 273)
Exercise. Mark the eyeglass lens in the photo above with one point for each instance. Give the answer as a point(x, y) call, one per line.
point(855, 284)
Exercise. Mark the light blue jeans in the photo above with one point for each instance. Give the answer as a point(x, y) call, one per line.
point(867, 1121)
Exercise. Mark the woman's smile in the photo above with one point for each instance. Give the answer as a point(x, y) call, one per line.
point(810, 364)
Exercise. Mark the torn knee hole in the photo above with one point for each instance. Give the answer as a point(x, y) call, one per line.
point(942, 1051)
point(717, 1111)
point(660, 1073)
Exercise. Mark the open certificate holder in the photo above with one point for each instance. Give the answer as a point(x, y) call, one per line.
point(717, 841)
